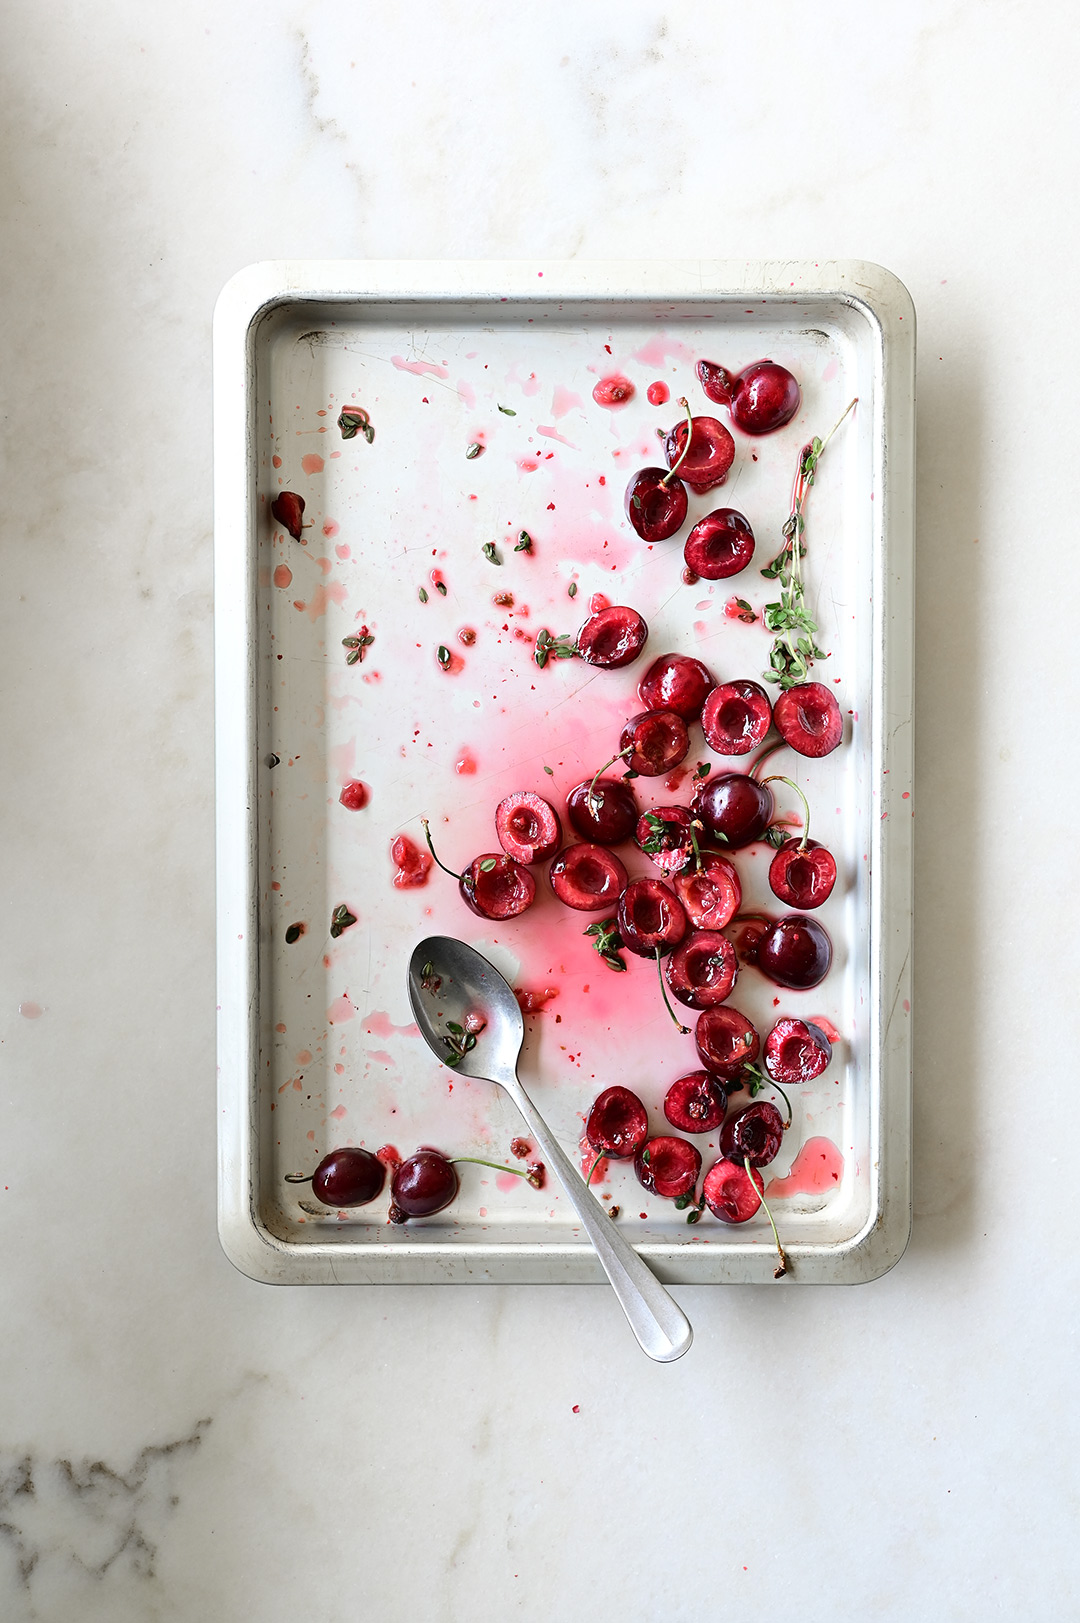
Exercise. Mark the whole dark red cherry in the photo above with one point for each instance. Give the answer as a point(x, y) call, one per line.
point(726, 1040)
point(755, 1133)
point(497, 887)
point(794, 952)
point(650, 917)
point(668, 1167)
point(605, 813)
point(796, 1051)
point(719, 545)
point(701, 971)
point(802, 875)
point(288, 510)
point(711, 894)
point(760, 398)
point(729, 1192)
point(676, 682)
point(734, 808)
point(612, 637)
point(348, 1177)
point(711, 453)
point(665, 835)
point(696, 1102)
point(528, 827)
point(659, 741)
point(809, 720)
point(617, 1124)
point(656, 503)
point(736, 717)
point(423, 1184)
point(587, 877)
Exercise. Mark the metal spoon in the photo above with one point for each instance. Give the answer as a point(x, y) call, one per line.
point(447, 982)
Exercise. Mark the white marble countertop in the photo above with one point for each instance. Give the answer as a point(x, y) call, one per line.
point(180, 1443)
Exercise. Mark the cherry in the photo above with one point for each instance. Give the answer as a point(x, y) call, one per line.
point(731, 1193)
point(794, 952)
point(665, 835)
point(651, 919)
point(617, 1125)
point(604, 810)
point(696, 1102)
point(711, 894)
point(676, 682)
point(726, 1041)
point(760, 398)
point(734, 808)
point(796, 1051)
point(288, 509)
point(703, 450)
point(802, 873)
point(345, 1177)
point(493, 885)
point(754, 1133)
point(421, 1185)
point(668, 1167)
point(411, 865)
point(808, 717)
point(654, 742)
point(613, 391)
point(655, 503)
point(736, 717)
point(720, 544)
point(701, 971)
point(528, 827)
point(612, 638)
point(587, 877)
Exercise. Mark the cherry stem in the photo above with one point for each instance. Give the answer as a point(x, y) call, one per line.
point(787, 1101)
point(682, 455)
point(590, 798)
point(760, 759)
point(431, 848)
point(783, 1268)
point(299, 1177)
point(778, 777)
point(478, 1161)
point(684, 1030)
point(600, 1156)
point(751, 918)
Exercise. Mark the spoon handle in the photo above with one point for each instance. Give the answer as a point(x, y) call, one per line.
point(662, 1329)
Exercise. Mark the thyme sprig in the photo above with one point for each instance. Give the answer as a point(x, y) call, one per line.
point(608, 942)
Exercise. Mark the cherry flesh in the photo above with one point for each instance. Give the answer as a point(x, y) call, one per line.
point(809, 719)
point(796, 1051)
point(587, 877)
point(802, 875)
point(668, 1167)
point(719, 545)
point(605, 813)
point(760, 398)
point(617, 1124)
point(729, 1193)
point(701, 971)
point(665, 836)
point(421, 1185)
point(726, 1041)
point(736, 717)
point(288, 510)
point(735, 809)
point(656, 503)
point(650, 918)
point(528, 827)
point(658, 740)
point(755, 1133)
point(496, 887)
point(696, 1102)
point(711, 894)
point(411, 865)
point(613, 391)
point(348, 1177)
point(711, 453)
point(794, 952)
point(676, 682)
point(613, 637)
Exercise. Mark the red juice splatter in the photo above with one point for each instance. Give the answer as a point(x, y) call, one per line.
point(312, 462)
point(819, 1166)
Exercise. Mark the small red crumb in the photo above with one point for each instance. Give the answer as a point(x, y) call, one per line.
point(531, 1002)
point(602, 480)
point(577, 1407)
point(520, 1148)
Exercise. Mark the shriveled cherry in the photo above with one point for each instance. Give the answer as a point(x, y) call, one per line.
point(696, 1103)
point(655, 503)
point(651, 918)
point(809, 720)
point(587, 877)
point(761, 398)
point(755, 1133)
point(668, 1167)
point(796, 1051)
point(424, 1183)
point(701, 971)
point(736, 717)
point(794, 952)
point(729, 1192)
point(613, 637)
point(711, 894)
point(711, 452)
point(657, 740)
point(734, 808)
point(726, 1040)
point(665, 835)
point(288, 510)
point(719, 545)
point(676, 682)
point(528, 827)
point(802, 873)
point(604, 811)
point(617, 1124)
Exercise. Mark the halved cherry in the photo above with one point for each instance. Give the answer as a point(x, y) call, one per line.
point(802, 873)
point(587, 877)
point(719, 545)
point(711, 894)
point(729, 1193)
point(668, 1167)
point(618, 1124)
point(809, 719)
point(796, 1051)
point(603, 810)
point(711, 452)
point(726, 1040)
point(493, 885)
point(696, 1102)
point(795, 952)
point(665, 835)
point(613, 637)
point(676, 682)
point(754, 1133)
point(736, 717)
point(655, 503)
point(651, 918)
point(734, 808)
point(654, 742)
point(528, 827)
point(762, 397)
point(701, 972)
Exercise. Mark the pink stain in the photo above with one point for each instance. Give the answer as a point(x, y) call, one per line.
point(656, 351)
point(338, 1113)
point(340, 1010)
point(343, 551)
point(819, 1166)
point(830, 371)
point(529, 386)
point(465, 765)
point(331, 528)
point(31, 1011)
point(304, 1057)
point(379, 1024)
point(341, 758)
point(419, 368)
point(312, 462)
point(322, 597)
point(528, 464)
point(467, 393)
point(382, 1057)
point(564, 400)
point(325, 565)
point(505, 1181)
point(282, 575)
point(552, 433)
point(907, 1006)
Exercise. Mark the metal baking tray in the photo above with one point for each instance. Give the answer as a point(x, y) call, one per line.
point(315, 1039)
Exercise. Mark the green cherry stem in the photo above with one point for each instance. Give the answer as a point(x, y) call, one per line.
point(778, 777)
point(787, 1101)
point(760, 759)
point(435, 854)
point(778, 1273)
point(299, 1177)
point(590, 798)
point(478, 1161)
point(684, 1030)
point(682, 455)
point(600, 1156)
